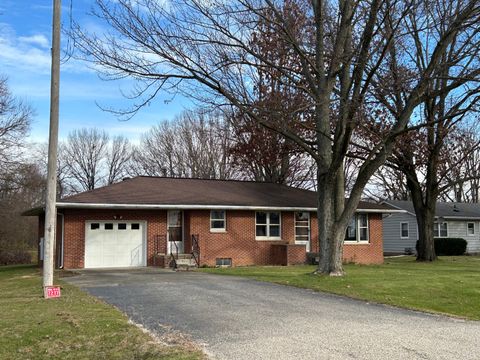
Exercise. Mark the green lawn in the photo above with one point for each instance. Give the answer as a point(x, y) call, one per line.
point(76, 326)
point(449, 286)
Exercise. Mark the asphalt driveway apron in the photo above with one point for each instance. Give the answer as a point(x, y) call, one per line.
point(237, 318)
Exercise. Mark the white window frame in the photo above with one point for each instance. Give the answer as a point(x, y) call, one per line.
point(468, 223)
point(408, 230)
point(268, 237)
point(357, 230)
point(437, 234)
point(224, 229)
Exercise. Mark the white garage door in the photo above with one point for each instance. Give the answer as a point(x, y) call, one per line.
point(114, 244)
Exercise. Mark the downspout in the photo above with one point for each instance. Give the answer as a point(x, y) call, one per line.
point(60, 265)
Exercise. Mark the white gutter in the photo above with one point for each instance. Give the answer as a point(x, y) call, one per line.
point(459, 217)
point(204, 207)
point(381, 211)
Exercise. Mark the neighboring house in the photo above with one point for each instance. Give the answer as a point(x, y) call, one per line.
point(459, 220)
point(145, 221)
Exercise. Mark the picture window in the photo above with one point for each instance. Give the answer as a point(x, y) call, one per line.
point(267, 225)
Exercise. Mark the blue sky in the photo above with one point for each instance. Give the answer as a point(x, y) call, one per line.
point(25, 41)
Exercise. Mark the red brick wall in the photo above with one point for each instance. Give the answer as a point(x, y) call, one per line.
point(288, 254)
point(75, 230)
point(371, 253)
point(296, 255)
point(238, 242)
point(58, 240)
point(279, 254)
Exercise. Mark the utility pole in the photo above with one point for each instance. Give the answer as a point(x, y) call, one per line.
point(51, 200)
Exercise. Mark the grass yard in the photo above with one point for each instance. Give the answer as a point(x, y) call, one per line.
point(76, 326)
point(449, 286)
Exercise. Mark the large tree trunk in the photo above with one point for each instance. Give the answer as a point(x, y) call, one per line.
point(331, 234)
point(425, 214)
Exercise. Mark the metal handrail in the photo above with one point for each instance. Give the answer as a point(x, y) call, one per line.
point(196, 249)
point(172, 255)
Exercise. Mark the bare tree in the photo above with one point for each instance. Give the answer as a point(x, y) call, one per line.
point(262, 155)
point(117, 158)
point(39, 156)
point(464, 176)
point(203, 49)
point(259, 153)
point(195, 144)
point(85, 150)
point(21, 185)
point(21, 189)
point(450, 96)
point(88, 158)
point(15, 118)
point(388, 183)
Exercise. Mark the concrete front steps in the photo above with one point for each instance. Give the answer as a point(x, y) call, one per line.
point(183, 261)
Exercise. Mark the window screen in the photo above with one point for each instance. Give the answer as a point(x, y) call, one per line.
point(223, 261)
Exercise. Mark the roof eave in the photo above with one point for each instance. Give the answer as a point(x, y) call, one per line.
point(36, 211)
point(397, 207)
point(203, 207)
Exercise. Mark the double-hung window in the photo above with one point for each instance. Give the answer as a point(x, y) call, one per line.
point(267, 225)
point(440, 229)
point(404, 233)
point(470, 229)
point(357, 230)
point(217, 221)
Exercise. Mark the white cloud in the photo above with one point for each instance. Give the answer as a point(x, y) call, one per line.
point(23, 57)
point(37, 39)
point(30, 54)
point(20, 54)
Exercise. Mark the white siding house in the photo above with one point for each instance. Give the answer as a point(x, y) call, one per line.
point(458, 220)
point(458, 228)
point(393, 241)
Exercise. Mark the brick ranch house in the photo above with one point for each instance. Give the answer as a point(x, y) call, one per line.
point(151, 221)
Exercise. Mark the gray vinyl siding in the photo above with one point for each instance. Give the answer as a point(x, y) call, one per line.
point(458, 229)
point(392, 240)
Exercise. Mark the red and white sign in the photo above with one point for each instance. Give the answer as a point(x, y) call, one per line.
point(50, 292)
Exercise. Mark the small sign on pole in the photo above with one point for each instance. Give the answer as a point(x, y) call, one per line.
point(50, 292)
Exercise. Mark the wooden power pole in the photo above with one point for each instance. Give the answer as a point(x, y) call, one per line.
point(50, 206)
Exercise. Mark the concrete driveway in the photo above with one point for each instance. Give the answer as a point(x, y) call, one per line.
point(239, 318)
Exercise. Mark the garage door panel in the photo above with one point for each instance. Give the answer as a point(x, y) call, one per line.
point(119, 247)
point(93, 242)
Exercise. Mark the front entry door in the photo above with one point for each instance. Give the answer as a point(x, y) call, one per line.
point(302, 229)
point(175, 231)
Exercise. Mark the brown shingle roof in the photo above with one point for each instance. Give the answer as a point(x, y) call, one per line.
point(144, 190)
